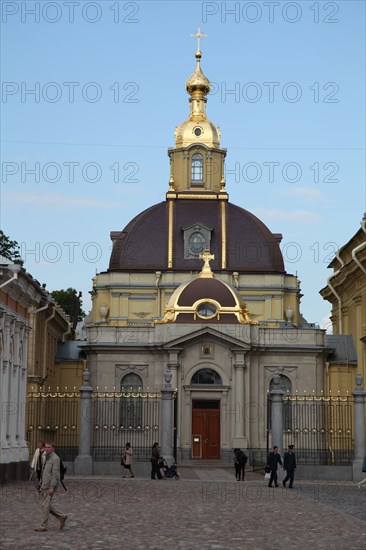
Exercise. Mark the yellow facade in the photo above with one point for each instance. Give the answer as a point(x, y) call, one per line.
point(130, 299)
point(48, 325)
point(346, 291)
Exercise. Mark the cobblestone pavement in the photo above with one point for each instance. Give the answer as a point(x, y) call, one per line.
point(205, 510)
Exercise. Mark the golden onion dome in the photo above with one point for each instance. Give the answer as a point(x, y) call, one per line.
point(197, 129)
point(198, 81)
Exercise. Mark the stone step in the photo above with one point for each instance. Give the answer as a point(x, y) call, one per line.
point(206, 464)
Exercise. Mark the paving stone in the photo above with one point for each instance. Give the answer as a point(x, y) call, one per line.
point(204, 510)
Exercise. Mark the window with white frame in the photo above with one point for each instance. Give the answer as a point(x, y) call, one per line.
point(197, 168)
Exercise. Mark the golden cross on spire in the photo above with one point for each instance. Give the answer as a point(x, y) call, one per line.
point(206, 256)
point(198, 35)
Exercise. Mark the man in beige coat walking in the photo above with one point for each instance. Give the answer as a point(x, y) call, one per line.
point(50, 479)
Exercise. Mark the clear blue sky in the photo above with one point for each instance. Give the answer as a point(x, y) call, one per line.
point(86, 150)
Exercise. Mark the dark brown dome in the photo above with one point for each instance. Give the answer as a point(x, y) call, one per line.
point(208, 288)
point(205, 299)
point(143, 244)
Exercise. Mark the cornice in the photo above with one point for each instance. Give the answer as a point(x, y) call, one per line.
point(201, 145)
point(25, 291)
point(194, 195)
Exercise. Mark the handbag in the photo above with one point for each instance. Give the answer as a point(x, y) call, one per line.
point(123, 460)
point(267, 475)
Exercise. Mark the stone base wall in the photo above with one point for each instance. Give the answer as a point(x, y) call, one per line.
point(14, 471)
point(143, 469)
point(324, 473)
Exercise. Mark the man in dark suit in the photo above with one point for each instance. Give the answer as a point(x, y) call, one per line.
point(289, 464)
point(272, 462)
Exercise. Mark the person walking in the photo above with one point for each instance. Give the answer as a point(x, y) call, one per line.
point(50, 478)
point(239, 461)
point(36, 463)
point(127, 460)
point(289, 464)
point(273, 461)
point(155, 456)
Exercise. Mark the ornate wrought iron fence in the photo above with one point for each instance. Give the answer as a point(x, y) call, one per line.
point(121, 417)
point(54, 416)
point(320, 427)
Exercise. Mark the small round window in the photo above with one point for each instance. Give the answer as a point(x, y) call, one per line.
point(206, 310)
point(197, 132)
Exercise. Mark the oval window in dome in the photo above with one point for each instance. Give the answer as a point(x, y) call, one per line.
point(206, 310)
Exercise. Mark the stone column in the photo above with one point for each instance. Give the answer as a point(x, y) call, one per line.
point(5, 397)
point(24, 451)
point(84, 461)
point(14, 393)
point(239, 441)
point(276, 396)
point(167, 419)
point(173, 366)
point(360, 428)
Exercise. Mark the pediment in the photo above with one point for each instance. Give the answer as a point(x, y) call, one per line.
point(236, 336)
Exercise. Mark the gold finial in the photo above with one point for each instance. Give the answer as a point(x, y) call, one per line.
point(206, 256)
point(198, 35)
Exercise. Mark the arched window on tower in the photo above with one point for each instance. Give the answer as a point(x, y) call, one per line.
point(286, 387)
point(130, 417)
point(197, 169)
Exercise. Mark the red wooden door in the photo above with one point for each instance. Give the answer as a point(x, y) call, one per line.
point(206, 429)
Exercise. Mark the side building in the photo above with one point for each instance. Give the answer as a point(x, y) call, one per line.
point(31, 323)
point(346, 291)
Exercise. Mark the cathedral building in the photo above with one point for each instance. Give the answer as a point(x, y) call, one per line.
point(197, 286)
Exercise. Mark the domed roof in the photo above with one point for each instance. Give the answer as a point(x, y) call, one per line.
point(206, 299)
point(143, 243)
point(196, 215)
point(188, 293)
point(197, 131)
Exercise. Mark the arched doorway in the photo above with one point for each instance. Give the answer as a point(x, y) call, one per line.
point(206, 417)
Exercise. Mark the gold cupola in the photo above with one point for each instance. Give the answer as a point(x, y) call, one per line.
point(197, 128)
point(197, 160)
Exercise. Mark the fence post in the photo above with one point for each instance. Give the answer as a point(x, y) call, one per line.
point(276, 395)
point(84, 461)
point(167, 419)
point(360, 428)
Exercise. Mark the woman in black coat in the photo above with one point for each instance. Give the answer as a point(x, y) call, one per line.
point(155, 456)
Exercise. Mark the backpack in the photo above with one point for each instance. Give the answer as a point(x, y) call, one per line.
point(241, 457)
point(62, 474)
